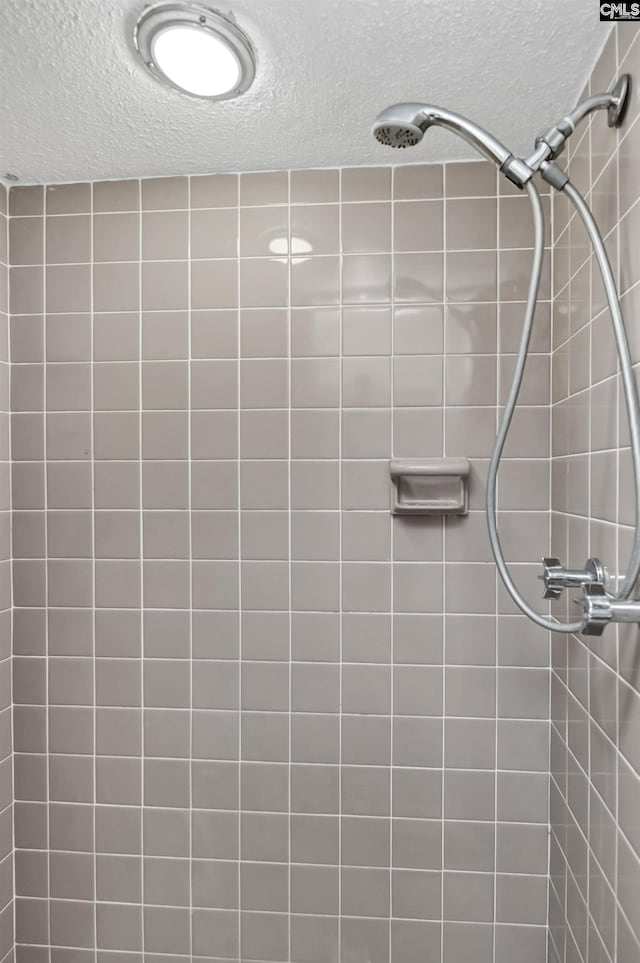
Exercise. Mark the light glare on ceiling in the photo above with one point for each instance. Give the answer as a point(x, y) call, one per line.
point(195, 49)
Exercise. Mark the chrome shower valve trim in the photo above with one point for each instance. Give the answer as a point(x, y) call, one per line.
point(556, 577)
point(599, 609)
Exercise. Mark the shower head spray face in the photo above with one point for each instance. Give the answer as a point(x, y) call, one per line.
point(397, 126)
point(397, 135)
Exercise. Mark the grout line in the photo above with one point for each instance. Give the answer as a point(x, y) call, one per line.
point(252, 309)
point(550, 541)
point(46, 584)
point(617, 540)
point(375, 255)
point(280, 203)
point(190, 554)
point(141, 572)
point(498, 386)
point(444, 555)
point(11, 598)
point(271, 812)
point(289, 565)
point(93, 613)
point(392, 555)
point(240, 509)
point(257, 363)
point(340, 555)
point(279, 712)
point(590, 550)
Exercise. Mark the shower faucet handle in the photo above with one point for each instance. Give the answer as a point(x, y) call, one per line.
point(596, 609)
point(553, 578)
point(556, 577)
point(599, 609)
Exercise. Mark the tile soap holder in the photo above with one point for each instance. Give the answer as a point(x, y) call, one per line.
point(429, 486)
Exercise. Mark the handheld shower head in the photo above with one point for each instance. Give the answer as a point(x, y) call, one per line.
point(404, 125)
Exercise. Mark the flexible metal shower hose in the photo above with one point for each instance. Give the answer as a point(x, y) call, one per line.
point(630, 393)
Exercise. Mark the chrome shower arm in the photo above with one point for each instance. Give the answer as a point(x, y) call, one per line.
point(615, 102)
point(596, 102)
point(476, 136)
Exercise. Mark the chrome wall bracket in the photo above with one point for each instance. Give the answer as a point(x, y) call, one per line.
point(619, 101)
point(556, 577)
point(551, 143)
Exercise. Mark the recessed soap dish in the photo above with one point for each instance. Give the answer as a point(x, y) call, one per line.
point(429, 486)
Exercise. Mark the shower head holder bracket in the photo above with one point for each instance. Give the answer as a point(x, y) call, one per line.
point(620, 96)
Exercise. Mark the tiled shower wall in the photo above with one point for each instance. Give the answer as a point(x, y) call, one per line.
point(595, 707)
point(6, 765)
point(258, 718)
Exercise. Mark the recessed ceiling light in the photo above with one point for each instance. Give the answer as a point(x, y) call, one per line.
point(195, 49)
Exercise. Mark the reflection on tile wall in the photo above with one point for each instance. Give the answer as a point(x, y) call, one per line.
point(290, 729)
point(595, 759)
point(6, 776)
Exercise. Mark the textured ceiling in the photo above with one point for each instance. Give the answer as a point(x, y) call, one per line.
point(76, 103)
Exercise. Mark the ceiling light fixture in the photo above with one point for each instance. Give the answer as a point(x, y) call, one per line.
point(196, 50)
